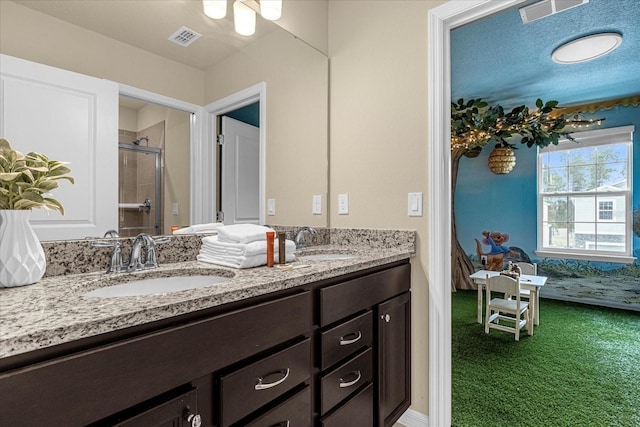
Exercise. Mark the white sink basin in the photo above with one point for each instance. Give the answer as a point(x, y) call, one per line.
point(156, 286)
point(326, 257)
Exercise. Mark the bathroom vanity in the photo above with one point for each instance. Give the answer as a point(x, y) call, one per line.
point(325, 345)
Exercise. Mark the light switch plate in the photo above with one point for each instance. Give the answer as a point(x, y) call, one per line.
point(415, 204)
point(343, 204)
point(271, 207)
point(316, 205)
point(175, 210)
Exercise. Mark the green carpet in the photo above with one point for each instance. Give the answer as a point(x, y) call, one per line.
point(580, 368)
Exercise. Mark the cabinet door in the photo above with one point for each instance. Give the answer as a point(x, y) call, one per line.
point(394, 346)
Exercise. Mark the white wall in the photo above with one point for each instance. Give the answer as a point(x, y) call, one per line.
point(378, 134)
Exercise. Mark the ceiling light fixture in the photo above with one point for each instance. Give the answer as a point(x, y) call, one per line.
point(586, 48)
point(244, 18)
point(216, 9)
point(244, 12)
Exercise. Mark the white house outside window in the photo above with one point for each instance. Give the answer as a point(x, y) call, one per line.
point(584, 197)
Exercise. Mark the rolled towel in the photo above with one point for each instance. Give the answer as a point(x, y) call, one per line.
point(242, 233)
point(211, 227)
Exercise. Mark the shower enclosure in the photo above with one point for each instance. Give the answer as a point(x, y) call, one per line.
point(139, 192)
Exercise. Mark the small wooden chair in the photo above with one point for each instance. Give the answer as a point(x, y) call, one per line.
point(531, 270)
point(508, 310)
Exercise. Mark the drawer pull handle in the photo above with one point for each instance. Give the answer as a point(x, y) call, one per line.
point(282, 424)
point(344, 341)
point(344, 384)
point(261, 386)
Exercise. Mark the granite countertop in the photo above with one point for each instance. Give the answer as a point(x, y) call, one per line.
point(55, 310)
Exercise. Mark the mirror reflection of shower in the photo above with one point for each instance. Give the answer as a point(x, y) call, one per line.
point(140, 181)
point(139, 140)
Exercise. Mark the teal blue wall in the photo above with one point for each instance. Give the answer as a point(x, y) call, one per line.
point(249, 114)
point(507, 203)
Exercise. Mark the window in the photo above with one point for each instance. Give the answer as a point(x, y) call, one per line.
point(584, 196)
point(605, 210)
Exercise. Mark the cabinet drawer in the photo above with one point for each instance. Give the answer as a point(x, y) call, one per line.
point(294, 412)
point(346, 338)
point(357, 412)
point(346, 298)
point(248, 388)
point(345, 379)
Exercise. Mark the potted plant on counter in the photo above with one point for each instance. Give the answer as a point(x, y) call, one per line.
point(25, 184)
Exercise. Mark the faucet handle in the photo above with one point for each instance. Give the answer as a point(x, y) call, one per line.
point(163, 239)
point(116, 265)
point(151, 260)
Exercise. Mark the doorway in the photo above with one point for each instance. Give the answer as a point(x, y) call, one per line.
point(145, 123)
point(440, 21)
point(229, 106)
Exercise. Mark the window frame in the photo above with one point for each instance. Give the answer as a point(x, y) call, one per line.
point(592, 138)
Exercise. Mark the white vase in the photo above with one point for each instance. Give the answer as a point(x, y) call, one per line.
point(22, 260)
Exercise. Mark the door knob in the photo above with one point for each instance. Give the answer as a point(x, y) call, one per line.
point(194, 420)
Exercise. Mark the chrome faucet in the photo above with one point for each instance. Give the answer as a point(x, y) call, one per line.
point(299, 236)
point(149, 243)
point(135, 263)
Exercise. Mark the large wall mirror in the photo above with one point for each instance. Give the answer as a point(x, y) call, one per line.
point(295, 74)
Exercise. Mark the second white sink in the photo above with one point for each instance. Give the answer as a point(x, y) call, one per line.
point(326, 257)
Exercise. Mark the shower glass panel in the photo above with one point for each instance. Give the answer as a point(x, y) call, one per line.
point(140, 192)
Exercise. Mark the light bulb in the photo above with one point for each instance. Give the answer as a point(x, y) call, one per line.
point(216, 9)
point(244, 19)
point(271, 9)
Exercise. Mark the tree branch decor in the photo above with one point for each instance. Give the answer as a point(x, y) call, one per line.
point(474, 123)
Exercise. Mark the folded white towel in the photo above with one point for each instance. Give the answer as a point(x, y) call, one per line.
point(242, 233)
point(212, 244)
point(211, 227)
point(238, 262)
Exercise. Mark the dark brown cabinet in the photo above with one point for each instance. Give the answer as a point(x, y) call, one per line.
point(330, 353)
point(394, 355)
point(347, 314)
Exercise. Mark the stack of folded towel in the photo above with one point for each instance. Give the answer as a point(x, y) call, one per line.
point(209, 228)
point(241, 246)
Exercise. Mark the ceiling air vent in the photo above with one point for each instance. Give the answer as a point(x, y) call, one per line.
point(184, 36)
point(546, 8)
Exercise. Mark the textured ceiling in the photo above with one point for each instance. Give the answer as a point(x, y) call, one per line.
point(502, 60)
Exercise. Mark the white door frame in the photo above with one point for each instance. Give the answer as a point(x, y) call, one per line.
point(441, 20)
point(197, 186)
point(255, 93)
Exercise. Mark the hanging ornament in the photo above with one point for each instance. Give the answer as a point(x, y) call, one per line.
point(502, 160)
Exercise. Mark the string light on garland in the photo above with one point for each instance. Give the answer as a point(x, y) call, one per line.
point(578, 121)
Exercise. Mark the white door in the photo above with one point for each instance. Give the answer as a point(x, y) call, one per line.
point(240, 172)
point(68, 117)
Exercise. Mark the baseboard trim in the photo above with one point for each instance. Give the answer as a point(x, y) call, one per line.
point(413, 418)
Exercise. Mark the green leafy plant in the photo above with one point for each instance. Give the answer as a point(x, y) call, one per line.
point(27, 180)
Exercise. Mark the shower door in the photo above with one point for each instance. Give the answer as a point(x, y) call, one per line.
point(139, 190)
